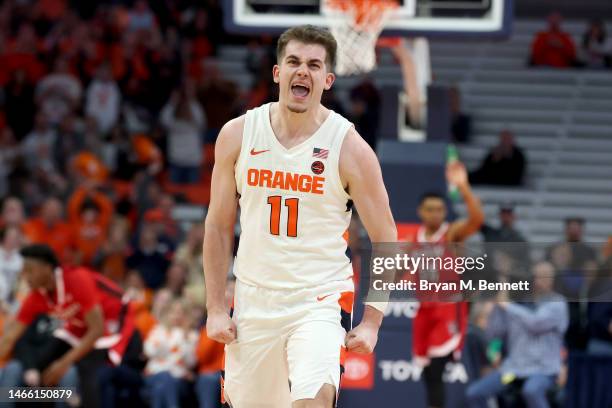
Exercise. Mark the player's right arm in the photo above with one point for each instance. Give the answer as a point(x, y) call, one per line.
point(32, 306)
point(219, 231)
point(460, 230)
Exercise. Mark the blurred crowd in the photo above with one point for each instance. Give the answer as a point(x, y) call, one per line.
point(556, 48)
point(108, 111)
point(522, 348)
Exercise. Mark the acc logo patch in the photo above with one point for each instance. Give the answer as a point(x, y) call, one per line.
point(317, 167)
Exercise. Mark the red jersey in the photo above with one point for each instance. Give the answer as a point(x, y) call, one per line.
point(439, 326)
point(78, 290)
point(439, 254)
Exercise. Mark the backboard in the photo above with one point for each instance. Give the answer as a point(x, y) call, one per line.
point(430, 18)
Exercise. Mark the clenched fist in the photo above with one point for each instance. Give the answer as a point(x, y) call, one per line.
point(362, 339)
point(220, 327)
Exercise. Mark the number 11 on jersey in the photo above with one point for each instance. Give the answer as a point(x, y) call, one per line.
point(275, 211)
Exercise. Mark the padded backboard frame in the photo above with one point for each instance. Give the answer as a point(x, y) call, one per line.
point(240, 18)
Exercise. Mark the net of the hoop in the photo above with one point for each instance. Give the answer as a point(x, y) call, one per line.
point(356, 25)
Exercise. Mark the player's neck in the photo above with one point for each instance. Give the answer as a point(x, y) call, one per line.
point(289, 125)
point(431, 230)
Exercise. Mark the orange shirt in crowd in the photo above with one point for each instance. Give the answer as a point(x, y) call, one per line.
point(144, 319)
point(88, 239)
point(209, 354)
point(554, 49)
point(82, 194)
point(60, 237)
point(90, 235)
point(87, 165)
point(146, 151)
point(113, 266)
point(12, 61)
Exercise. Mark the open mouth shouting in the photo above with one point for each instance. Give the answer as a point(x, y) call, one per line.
point(300, 90)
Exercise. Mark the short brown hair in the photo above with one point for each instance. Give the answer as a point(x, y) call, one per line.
point(309, 34)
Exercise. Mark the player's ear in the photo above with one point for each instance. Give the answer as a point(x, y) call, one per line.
point(329, 80)
point(276, 74)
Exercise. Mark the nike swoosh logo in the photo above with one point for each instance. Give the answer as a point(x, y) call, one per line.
point(256, 152)
point(320, 298)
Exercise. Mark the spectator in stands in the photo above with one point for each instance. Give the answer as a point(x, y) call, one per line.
point(12, 212)
point(103, 100)
point(554, 47)
point(506, 238)
point(478, 350)
point(364, 110)
point(149, 258)
point(69, 141)
point(575, 265)
point(87, 167)
point(142, 299)
point(190, 254)
point(59, 93)
point(170, 348)
point(330, 100)
point(22, 51)
point(141, 17)
point(219, 97)
point(600, 312)
point(89, 232)
point(184, 120)
point(504, 165)
point(461, 125)
point(38, 147)
point(596, 49)
point(11, 263)
point(167, 71)
point(210, 363)
point(111, 257)
point(176, 278)
point(157, 219)
point(534, 336)
point(51, 229)
point(19, 103)
point(581, 254)
point(165, 206)
point(9, 154)
point(506, 231)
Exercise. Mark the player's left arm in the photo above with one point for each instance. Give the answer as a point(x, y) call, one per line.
point(95, 329)
point(461, 229)
point(12, 333)
point(362, 177)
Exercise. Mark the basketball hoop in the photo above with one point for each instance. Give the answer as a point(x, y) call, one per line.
point(356, 25)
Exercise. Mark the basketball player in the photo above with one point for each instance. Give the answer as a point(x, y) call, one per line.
point(97, 325)
point(439, 326)
point(295, 168)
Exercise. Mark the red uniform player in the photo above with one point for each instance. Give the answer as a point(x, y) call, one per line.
point(440, 324)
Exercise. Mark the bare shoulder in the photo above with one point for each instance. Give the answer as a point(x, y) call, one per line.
point(356, 156)
point(229, 140)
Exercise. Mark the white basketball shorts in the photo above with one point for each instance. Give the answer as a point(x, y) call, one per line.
point(289, 343)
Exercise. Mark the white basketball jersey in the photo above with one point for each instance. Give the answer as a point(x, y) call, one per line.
point(294, 211)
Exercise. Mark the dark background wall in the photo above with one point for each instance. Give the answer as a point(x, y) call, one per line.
point(569, 8)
